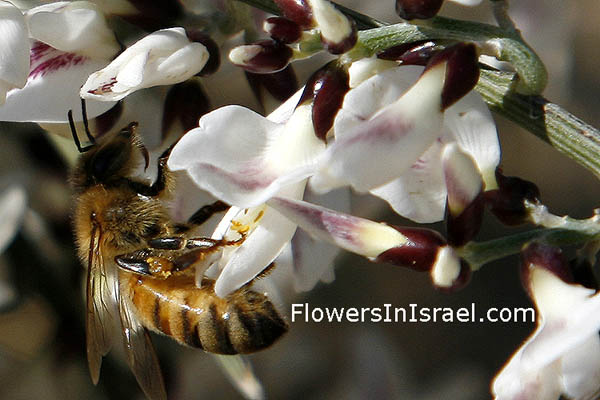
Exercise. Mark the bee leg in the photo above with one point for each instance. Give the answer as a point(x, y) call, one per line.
point(161, 264)
point(204, 213)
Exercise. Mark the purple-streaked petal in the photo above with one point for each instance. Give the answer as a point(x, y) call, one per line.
point(354, 234)
point(52, 88)
point(395, 137)
point(78, 27)
point(243, 158)
point(14, 49)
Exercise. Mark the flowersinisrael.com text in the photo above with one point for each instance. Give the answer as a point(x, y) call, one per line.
point(411, 313)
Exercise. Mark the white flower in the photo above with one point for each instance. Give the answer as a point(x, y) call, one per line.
point(562, 356)
point(14, 49)
point(405, 133)
point(162, 58)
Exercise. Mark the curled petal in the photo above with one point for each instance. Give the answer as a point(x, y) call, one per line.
point(14, 49)
point(161, 58)
point(78, 27)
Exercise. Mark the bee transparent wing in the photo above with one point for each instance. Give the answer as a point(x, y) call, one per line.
point(140, 353)
point(238, 370)
point(101, 293)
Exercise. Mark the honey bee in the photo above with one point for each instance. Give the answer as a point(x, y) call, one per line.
point(141, 267)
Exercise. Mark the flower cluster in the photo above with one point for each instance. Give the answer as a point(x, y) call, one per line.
point(399, 121)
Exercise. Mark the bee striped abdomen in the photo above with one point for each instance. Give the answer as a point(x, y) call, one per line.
point(244, 322)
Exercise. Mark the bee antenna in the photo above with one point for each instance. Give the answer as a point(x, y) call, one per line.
point(75, 136)
point(85, 122)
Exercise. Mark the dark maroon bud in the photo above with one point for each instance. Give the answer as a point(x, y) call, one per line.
point(463, 227)
point(105, 122)
point(344, 45)
point(462, 71)
point(461, 281)
point(416, 53)
point(544, 256)
point(421, 9)
point(508, 201)
point(214, 59)
point(298, 11)
point(282, 29)
point(326, 88)
point(263, 57)
point(420, 254)
point(186, 102)
point(280, 85)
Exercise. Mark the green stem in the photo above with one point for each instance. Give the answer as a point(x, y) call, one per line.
point(479, 253)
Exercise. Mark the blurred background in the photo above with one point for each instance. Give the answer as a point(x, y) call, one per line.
point(42, 343)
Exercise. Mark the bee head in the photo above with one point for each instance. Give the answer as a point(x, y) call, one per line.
point(110, 159)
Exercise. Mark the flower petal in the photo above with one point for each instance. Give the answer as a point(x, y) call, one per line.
point(78, 27)
point(243, 158)
point(52, 88)
point(395, 136)
point(14, 49)
point(164, 57)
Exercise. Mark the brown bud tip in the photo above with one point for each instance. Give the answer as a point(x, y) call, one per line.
point(541, 255)
point(186, 102)
point(415, 53)
point(326, 88)
point(214, 59)
point(462, 71)
point(282, 29)
point(507, 202)
point(280, 85)
point(419, 254)
point(263, 57)
point(344, 45)
point(463, 227)
point(418, 9)
point(298, 11)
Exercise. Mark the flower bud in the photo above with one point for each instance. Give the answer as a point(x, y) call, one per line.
point(420, 252)
point(421, 9)
point(338, 32)
point(536, 257)
point(326, 88)
point(508, 201)
point(462, 71)
point(214, 55)
point(465, 195)
point(298, 11)
point(450, 273)
point(185, 103)
point(263, 57)
point(282, 29)
point(415, 53)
